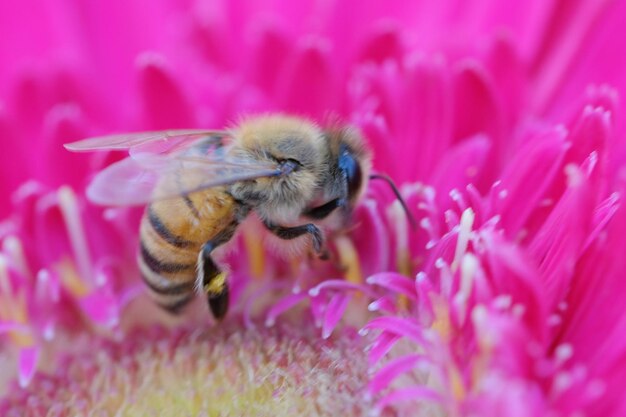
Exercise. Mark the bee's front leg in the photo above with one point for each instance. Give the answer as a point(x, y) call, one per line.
point(289, 233)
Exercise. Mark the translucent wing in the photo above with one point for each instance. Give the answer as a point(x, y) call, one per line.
point(165, 141)
point(135, 181)
point(167, 164)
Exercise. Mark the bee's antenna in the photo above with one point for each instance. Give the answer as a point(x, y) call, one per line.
point(395, 190)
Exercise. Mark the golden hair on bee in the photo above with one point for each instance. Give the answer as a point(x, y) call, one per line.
point(199, 185)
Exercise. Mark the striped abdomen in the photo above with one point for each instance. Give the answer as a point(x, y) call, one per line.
point(172, 234)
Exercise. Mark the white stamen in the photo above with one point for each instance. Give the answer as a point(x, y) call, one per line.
point(373, 306)
point(479, 315)
point(593, 161)
point(554, 320)
point(518, 310)
point(425, 224)
point(5, 281)
point(48, 332)
point(421, 276)
point(457, 197)
point(460, 301)
point(562, 381)
point(430, 244)
point(467, 220)
point(563, 352)
point(12, 245)
point(42, 290)
point(503, 302)
point(469, 266)
point(574, 175)
point(502, 194)
point(446, 277)
point(73, 223)
point(397, 218)
point(596, 388)
point(429, 193)
point(451, 218)
point(561, 129)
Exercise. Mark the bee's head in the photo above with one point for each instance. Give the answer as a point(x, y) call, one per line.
point(298, 147)
point(350, 163)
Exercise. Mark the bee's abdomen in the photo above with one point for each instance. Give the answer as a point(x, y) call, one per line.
point(167, 261)
point(172, 234)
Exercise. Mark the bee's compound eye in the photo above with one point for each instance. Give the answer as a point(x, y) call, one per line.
point(351, 169)
point(287, 166)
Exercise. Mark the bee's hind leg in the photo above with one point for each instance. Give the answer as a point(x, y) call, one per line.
point(211, 278)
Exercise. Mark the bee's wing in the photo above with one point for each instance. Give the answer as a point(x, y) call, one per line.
point(161, 142)
point(139, 180)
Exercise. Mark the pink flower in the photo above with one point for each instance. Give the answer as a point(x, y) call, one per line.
point(504, 126)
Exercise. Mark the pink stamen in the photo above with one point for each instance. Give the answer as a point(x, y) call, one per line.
point(386, 304)
point(282, 306)
point(383, 343)
point(12, 246)
point(338, 284)
point(334, 311)
point(392, 370)
point(76, 232)
point(418, 394)
point(397, 325)
point(394, 282)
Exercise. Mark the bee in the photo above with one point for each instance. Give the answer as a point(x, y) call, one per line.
point(200, 185)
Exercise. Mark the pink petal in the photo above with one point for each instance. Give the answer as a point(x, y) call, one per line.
point(165, 104)
point(526, 179)
point(413, 394)
point(306, 83)
point(383, 343)
point(392, 370)
point(334, 311)
point(29, 357)
point(395, 282)
point(398, 326)
point(283, 305)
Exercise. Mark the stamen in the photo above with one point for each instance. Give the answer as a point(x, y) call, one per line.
point(349, 259)
point(76, 231)
point(256, 254)
point(457, 197)
point(12, 245)
point(13, 307)
point(467, 220)
point(469, 266)
point(398, 220)
point(5, 281)
point(70, 279)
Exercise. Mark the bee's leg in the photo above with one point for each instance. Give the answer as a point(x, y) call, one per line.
point(288, 233)
point(323, 211)
point(214, 282)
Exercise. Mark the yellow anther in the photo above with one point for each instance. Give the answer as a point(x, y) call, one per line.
point(70, 279)
point(349, 259)
point(442, 318)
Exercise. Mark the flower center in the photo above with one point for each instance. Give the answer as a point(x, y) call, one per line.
point(279, 372)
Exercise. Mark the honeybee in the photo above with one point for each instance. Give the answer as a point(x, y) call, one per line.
point(199, 185)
